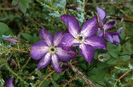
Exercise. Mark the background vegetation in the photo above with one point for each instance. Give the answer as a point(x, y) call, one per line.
point(24, 19)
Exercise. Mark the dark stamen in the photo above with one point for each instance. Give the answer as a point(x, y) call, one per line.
point(80, 37)
point(52, 49)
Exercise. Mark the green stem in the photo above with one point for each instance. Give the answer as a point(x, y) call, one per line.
point(26, 62)
point(80, 74)
point(11, 71)
point(129, 70)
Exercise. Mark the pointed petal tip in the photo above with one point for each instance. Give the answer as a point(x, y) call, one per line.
point(9, 83)
point(72, 24)
point(55, 62)
point(101, 13)
point(105, 48)
point(46, 36)
point(97, 8)
point(119, 30)
point(59, 70)
point(40, 67)
point(89, 61)
point(64, 16)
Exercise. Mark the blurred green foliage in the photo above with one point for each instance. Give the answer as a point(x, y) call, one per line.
point(24, 19)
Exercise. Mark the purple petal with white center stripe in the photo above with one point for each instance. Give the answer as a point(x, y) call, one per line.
point(87, 52)
point(67, 41)
point(96, 42)
point(89, 28)
point(72, 24)
point(65, 55)
point(101, 13)
point(44, 61)
point(47, 37)
point(9, 83)
point(109, 24)
point(55, 62)
point(38, 50)
point(58, 37)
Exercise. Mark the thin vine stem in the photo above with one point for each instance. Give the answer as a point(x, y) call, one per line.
point(45, 78)
point(11, 71)
point(80, 74)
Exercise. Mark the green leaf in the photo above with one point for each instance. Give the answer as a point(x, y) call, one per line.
point(56, 76)
point(4, 29)
point(36, 38)
point(2, 82)
point(83, 66)
point(122, 35)
point(98, 73)
point(113, 50)
point(24, 4)
point(128, 47)
point(30, 38)
point(3, 61)
point(130, 66)
point(125, 57)
point(27, 36)
point(46, 83)
point(14, 2)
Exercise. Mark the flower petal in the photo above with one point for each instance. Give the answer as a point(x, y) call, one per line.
point(38, 50)
point(100, 22)
point(87, 52)
point(72, 24)
point(46, 36)
point(67, 41)
point(100, 33)
point(113, 37)
point(119, 30)
point(55, 62)
point(101, 13)
point(96, 42)
point(9, 83)
point(116, 39)
point(65, 55)
point(109, 24)
point(58, 37)
point(89, 28)
point(44, 61)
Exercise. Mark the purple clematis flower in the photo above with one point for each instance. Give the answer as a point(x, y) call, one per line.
point(49, 49)
point(113, 37)
point(9, 83)
point(85, 38)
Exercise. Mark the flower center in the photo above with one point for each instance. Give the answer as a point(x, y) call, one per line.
point(52, 49)
point(80, 39)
